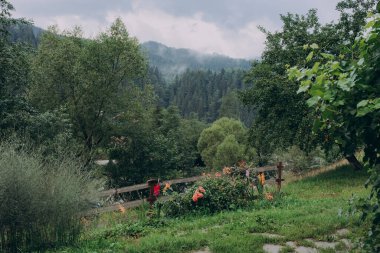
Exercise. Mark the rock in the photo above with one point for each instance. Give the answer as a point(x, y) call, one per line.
point(291, 244)
point(272, 248)
point(325, 245)
point(342, 232)
point(305, 250)
point(347, 243)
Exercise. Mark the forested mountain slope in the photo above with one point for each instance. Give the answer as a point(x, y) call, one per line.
point(174, 61)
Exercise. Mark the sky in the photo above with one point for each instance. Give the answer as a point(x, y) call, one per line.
point(227, 27)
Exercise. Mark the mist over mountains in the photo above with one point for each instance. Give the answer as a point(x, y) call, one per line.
point(199, 84)
point(175, 61)
point(168, 60)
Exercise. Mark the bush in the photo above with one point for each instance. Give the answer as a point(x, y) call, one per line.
point(298, 160)
point(39, 200)
point(222, 193)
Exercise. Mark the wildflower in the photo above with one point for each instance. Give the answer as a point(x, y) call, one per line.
point(218, 174)
point(269, 196)
point(242, 163)
point(167, 187)
point(121, 208)
point(247, 173)
point(197, 195)
point(227, 171)
point(201, 189)
point(156, 190)
point(261, 178)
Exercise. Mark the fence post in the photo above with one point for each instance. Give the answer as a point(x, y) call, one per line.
point(279, 174)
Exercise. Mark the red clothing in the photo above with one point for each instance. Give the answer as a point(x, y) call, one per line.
point(156, 190)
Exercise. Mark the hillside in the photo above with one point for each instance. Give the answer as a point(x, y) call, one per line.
point(174, 61)
point(169, 61)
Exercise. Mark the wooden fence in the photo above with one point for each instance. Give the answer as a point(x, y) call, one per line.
point(136, 203)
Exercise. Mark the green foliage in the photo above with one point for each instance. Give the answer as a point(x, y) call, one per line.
point(220, 194)
point(152, 142)
point(209, 94)
point(222, 137)
point(85, 76)
point(273, 96)
point(345, 95)
point(39, 200)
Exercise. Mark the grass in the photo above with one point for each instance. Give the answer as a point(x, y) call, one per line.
point(314, 207)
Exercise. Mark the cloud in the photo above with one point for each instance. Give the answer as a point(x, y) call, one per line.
point(219, 26)
point(91, 27)
point(192, 32)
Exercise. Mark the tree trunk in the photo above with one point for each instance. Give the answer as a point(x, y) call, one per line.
point(354, 162)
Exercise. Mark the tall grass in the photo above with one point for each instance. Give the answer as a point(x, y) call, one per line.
point(39, 200)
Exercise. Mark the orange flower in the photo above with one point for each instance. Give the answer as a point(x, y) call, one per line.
point(197, 195)
point(167, 187)
point(269, 196)
point(227, 171)
point(201, 189)
point(261, 178)
point(121, 208)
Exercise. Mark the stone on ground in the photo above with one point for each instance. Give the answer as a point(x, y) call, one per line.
point(303, 249)
point(325, 245)
point(291, 244)
point(272, 248)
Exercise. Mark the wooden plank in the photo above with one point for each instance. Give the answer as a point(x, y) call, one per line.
point(184, 180)
point(263, 169)
point(145, 186)
point(126, 205)
point(123, 190)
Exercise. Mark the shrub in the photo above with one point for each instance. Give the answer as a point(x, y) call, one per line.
point(223, 193)
point(39, 200)
point(298, 160)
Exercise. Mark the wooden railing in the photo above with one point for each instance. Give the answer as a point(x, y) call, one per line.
point(135, 203)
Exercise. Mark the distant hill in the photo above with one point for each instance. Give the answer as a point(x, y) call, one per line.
point(25, 33)
point(169, 61)
point(175, 61)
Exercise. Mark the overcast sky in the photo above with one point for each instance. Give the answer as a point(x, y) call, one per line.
point(226, 27)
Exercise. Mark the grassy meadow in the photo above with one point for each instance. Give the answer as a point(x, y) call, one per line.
point(314, 207)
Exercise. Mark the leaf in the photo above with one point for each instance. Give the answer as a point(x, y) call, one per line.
point(328, 95)
point(304, 86)
point(327, 114)
point(327, 56)
point(310, 56)
point(362, 103)
point(312, 101)
point(376, 105)
point(317, 125)
point(316, 91)
point(361, 61)
point(316, 67)
point(362, 111)
point(314, 46)
point(343, 84)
